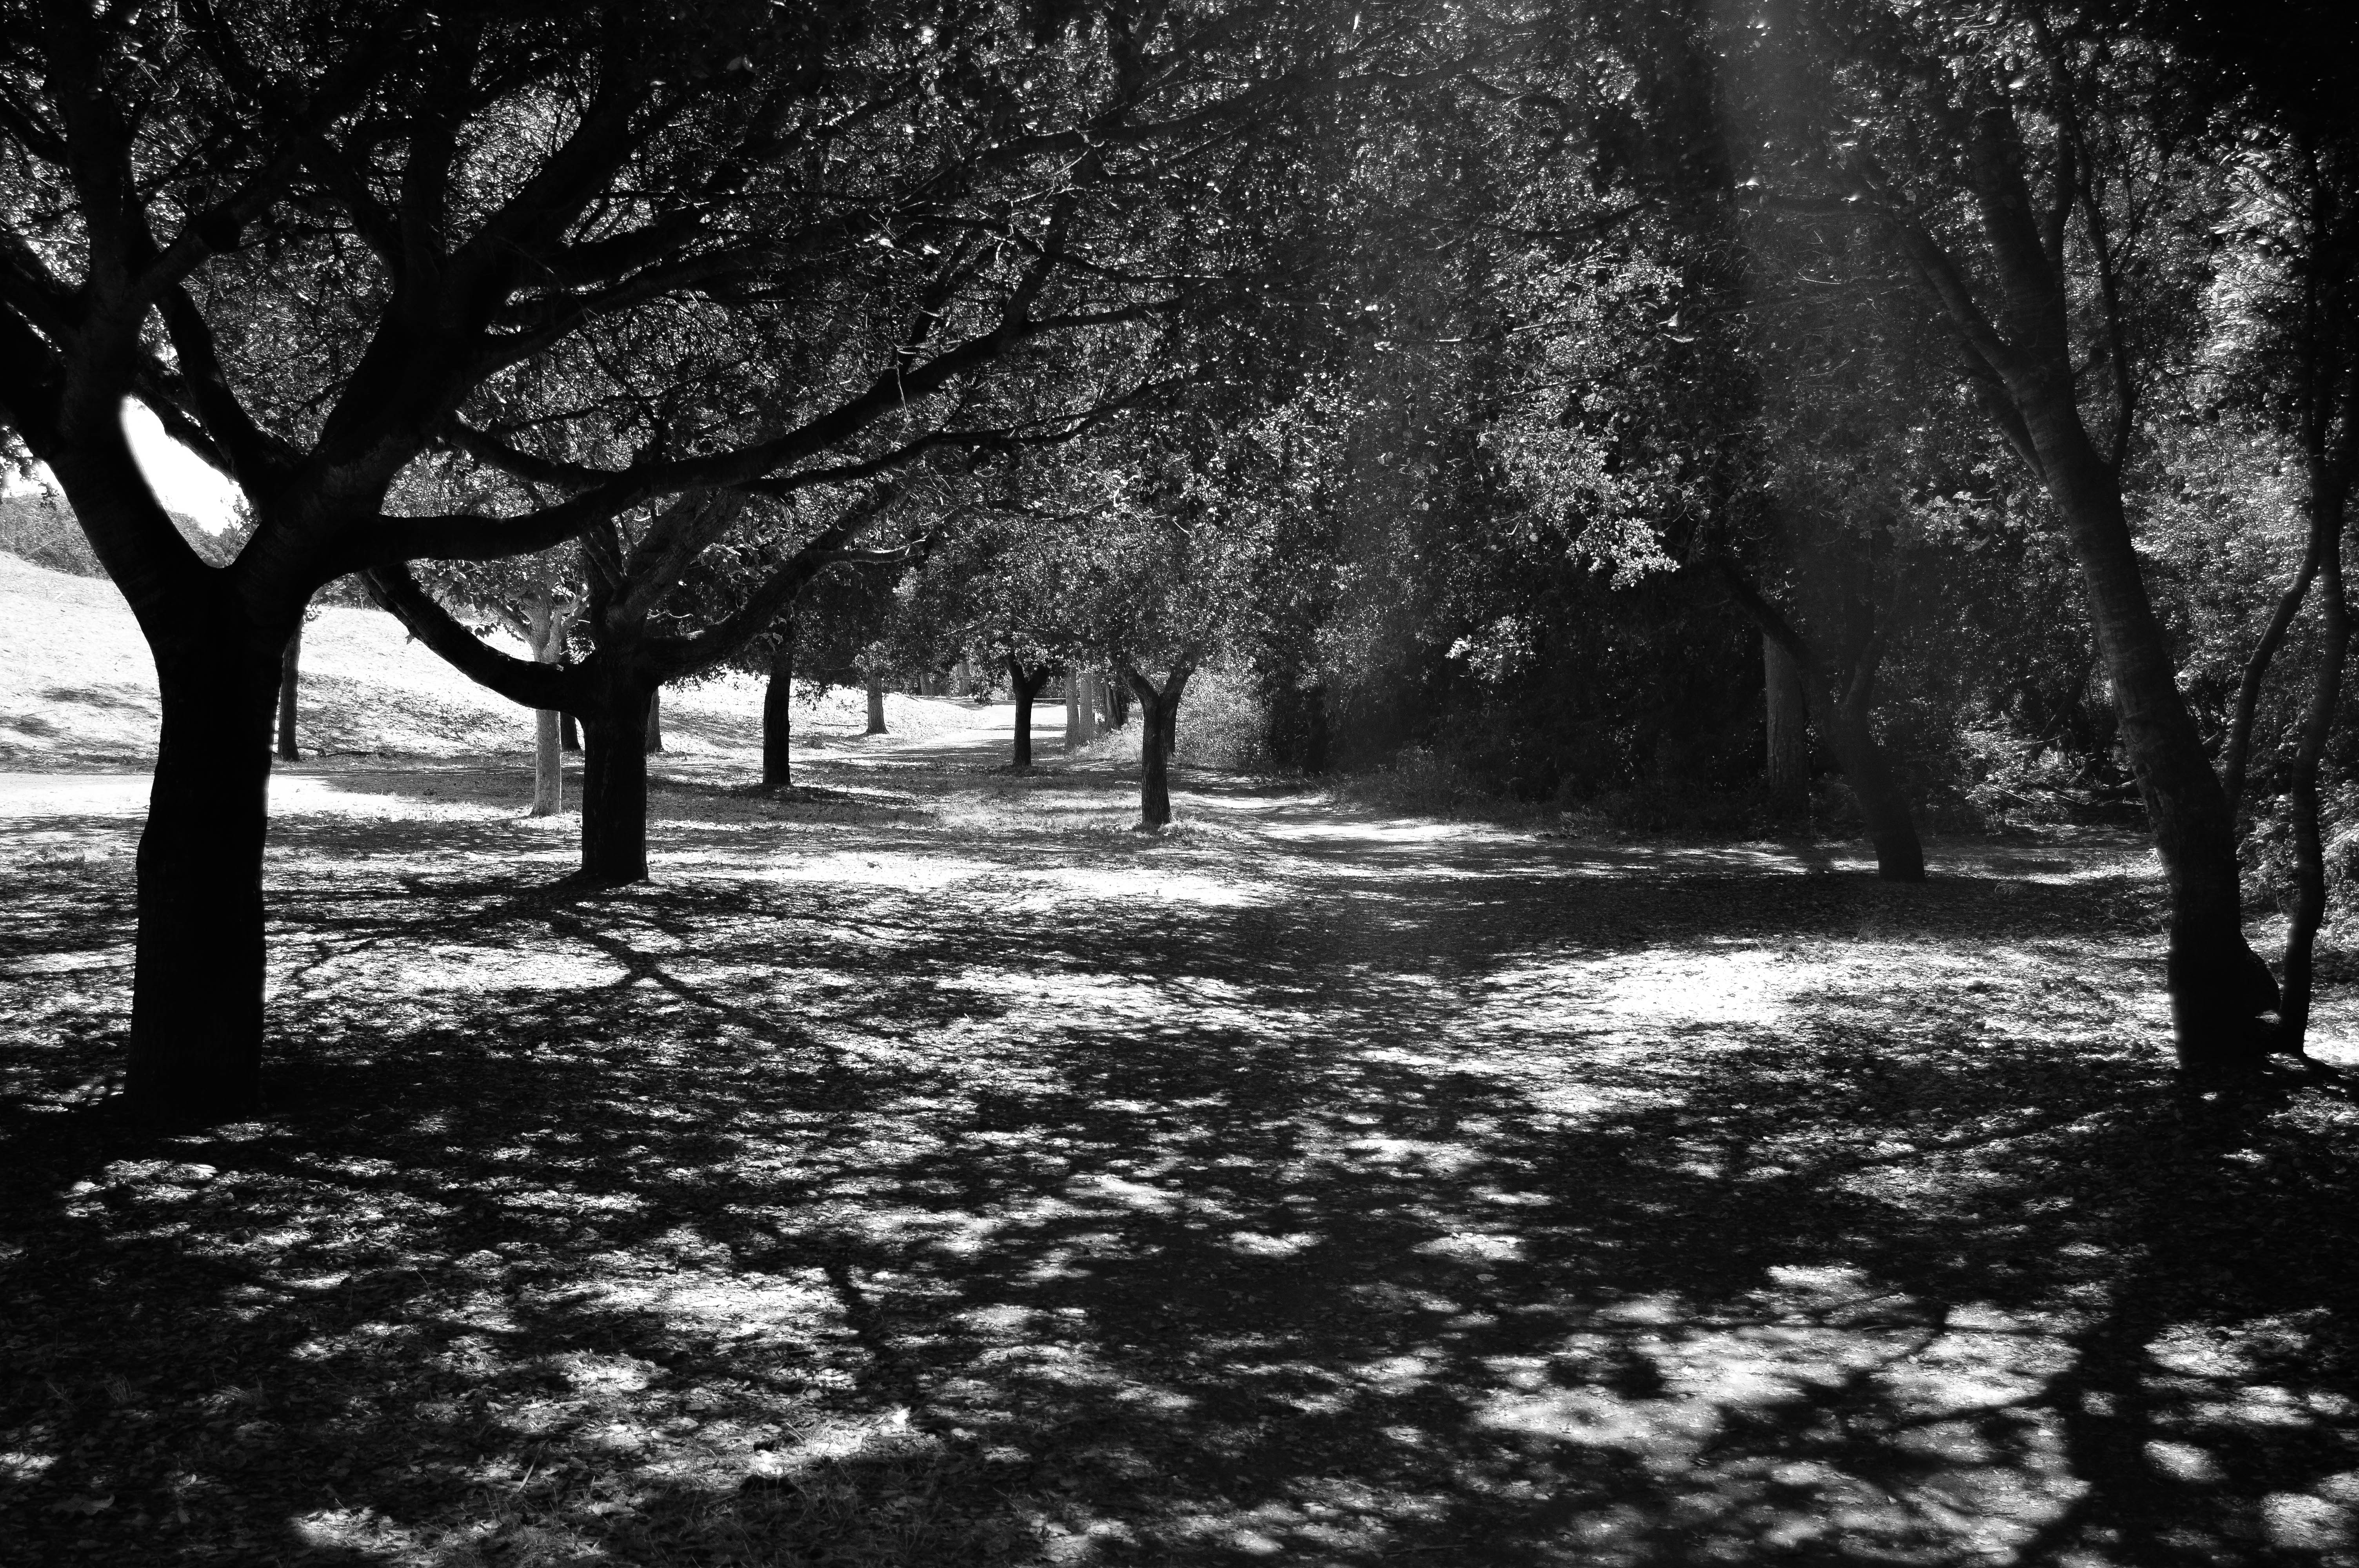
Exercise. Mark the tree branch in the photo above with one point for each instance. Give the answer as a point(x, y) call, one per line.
point(256, 459)
point(465, 536)
point(761, 606)
point(32, 382)
point(518, 680)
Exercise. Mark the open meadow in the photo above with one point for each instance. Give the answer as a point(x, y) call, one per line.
point(923, 1168)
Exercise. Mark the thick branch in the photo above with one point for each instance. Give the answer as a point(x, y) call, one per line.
point(538, 212)
point(255, 457)
point(31, 383)
point(518, 680)
point(671, 544)
point(468, 537)
point(516, 463)
point(1774, 626)
point(761, 606)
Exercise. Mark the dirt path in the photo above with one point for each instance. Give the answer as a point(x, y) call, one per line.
point(932, 1170)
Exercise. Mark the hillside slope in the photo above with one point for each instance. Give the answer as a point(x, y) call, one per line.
point(78, 689)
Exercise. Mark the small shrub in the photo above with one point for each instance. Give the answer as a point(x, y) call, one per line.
point(1222, 724)
point(2266, 854)
point(1416, 782)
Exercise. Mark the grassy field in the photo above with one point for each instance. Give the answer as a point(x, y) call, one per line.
point(924, 1169)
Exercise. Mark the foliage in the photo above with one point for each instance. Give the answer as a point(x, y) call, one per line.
point(35, 526)
point(1222, 724)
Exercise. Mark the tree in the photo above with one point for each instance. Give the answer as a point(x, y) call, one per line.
point(611, 689)
point(290, 667)
point(778, 706)
point(2013, 161)
point(549, 619)
point(1027, 684)
point(1785, 767)
point(1839, 694)
point(1081, 708)
point(2286, 347)
point(1170, 528)
point(536, 599)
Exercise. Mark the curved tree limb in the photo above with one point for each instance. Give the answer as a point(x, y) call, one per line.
point(519, 680)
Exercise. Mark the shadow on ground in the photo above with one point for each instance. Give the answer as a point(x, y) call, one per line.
point(974, 1183)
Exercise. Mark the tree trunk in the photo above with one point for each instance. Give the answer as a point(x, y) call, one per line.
point(2238, 750)
point(1841, 713)
point(2218, 987)
point(547, 764)
point(290, 667)
point(876, 700)
point(778, 715)
point(2326, 500)
point(548, 747)
point(1089, 707)
point(569, 732)
point(196, 1008)
point(614, 786)
point(1900, 858)
point(654, 722)
point(1158, 712)
point(1117, 703)
point(1787, 762)
point(1072, 709)
point(1154, 763)
point(1028, 691)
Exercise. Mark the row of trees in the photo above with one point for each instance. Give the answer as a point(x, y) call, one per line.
point(1438, 360)
point(462, 285)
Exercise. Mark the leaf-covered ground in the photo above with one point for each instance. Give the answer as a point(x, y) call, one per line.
point(925, 1170)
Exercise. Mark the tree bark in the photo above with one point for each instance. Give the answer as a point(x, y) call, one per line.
point(2027, 379)
point(1089, 709)
point(778, 713)
point(1072, 709)
point(2238, 750)
point(1900, 857)
point(197, 992)
point(548, 748)
point(2219, 988)
point(547, 764)
point(1117, 703)
point(290, 670)
point(654, 722)
point(2326, 496)
point(1787, 760)
point(1158, 712)
point(569, 732)
point(614, 785)
point(1028, 691)
point(876, 700)
point(1841, 710)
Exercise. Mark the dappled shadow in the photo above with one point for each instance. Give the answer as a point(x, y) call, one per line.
point(971, 1190)
point(119, 697)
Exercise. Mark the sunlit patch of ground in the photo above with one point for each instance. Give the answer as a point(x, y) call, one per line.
point(927, 1168)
